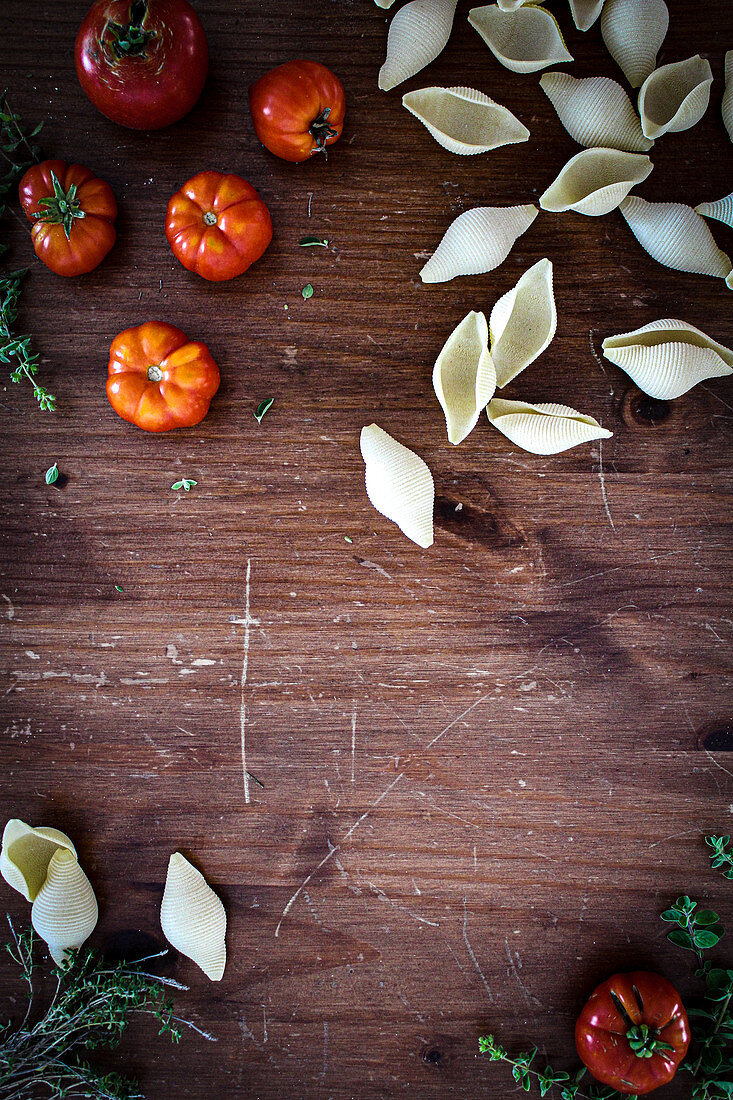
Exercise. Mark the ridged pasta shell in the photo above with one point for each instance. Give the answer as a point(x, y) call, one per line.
point(26, 853)
point(726, 106)
point(65, 912)
point(417, 34)
point(524, 40)
point(595, 181)
point(463, 120)
point(595, 111)
point(722, 210)
point(464, 378)
point(193, 918)
point(544, 429)
point(674, 235)
point(523, 322)
point(398, 484)
point(512, 5)
point(675, 97)
point(633, 31)
point(585, 12)
point(667, 358)
point(477, 241)
point(384, 3)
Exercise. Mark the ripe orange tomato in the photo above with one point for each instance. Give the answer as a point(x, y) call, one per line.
point(73, 214)
point(158, 379)
point(298, 109)
point(217, 225)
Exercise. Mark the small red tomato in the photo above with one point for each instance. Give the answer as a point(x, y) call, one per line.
point(217, 225)
point(158, 379)
point(143, 63)
point(297, 109)
point(73, 214)
point(633, 1032)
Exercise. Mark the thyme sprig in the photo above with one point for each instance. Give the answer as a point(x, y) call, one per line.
point(15, 147)
point(524, 1073)
point(45, 1055)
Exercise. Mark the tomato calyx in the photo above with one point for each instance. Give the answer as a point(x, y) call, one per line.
point(320, 130)
point(131, 40)
point(155, 374)
point(61, 208)
point(210, 218)
point(645, 1041)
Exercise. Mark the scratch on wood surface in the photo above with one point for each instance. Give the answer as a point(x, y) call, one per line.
point(10, 613)
point(325, 1050)
point(473, 958)
point(602, 479)
point(332, 850)
point(389, 901)
point(529, 997)
point(247, 621)
point(353, 742)
point(455, 721)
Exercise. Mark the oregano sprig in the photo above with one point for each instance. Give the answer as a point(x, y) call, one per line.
point(721, 855)
point(525, 1074)
point(697, 929)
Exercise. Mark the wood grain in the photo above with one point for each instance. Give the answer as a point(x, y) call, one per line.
point(487, 766)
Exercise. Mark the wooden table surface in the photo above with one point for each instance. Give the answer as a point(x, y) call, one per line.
point(485, 767)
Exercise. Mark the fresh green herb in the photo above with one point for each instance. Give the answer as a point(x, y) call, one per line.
point(697, 929)
point(312, 242)
point(722, 854)
point(711, 1062)
point(347, 539)
point(16, 148)
point(91, 1006)
point(52, 474)
point(118, 588)
point(524, 1074)
point(262, 408)
point(185, 483)
point(307, 291)
point(19, 347)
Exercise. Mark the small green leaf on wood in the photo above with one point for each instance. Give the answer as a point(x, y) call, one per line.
point(186, 483)
point(313, 242)
point(118, 588)
point(262, 408)
point(52, 474)
point(307, 291)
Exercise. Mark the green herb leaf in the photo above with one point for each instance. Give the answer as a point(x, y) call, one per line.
point(311, 242)
point(704, 938)
point(307, 291)
point(680, 938)
point(118, 588)
point(262, 408)
point(347, 539)
point(706, 917)
point(52, 474)
point(185, 483)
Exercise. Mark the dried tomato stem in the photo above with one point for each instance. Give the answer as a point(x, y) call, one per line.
point(321, 131)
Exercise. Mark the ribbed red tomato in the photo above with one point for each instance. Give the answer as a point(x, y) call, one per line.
point(633, 1032)
point(143, 63)
point(217, 225)
point(298, 109)
point(159, 379)
point(73, 214)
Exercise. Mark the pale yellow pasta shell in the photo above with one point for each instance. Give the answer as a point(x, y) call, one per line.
point(398, 484)
point(477, 241)
point(674, 235)
point(65, 912)
point(523, 322)
point(524, 40)
point(512, 5)
point(633, 31)
point(193, 918)
point(596, 181)
point(417, 34)
point(463, 120)
point(26, 853)
point(544, 429)
point(726, 106)
point(675, 97)
point(668, 357)
point(464, 378)
point(595, 111)
point(585, 12)
point(384, 3)
point(722, 210)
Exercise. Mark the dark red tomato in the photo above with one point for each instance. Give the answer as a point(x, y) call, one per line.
point(73, 214)
point(298, 109)
point(143, 63)
point(633, 1032)
point(217, 225)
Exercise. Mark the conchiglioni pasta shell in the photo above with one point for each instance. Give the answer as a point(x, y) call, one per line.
point(633, 31)
point(463, 120)
point(585, 12)
point(477, 241)
point(544, 429)
point(523, 322)
point(722, 210)
point(464, 378)
point(675, 97)
point(524, 40)
point(596, 181)
point(595, 111)
point(26, 853)
point(193, 918)
point(384, 3)
point(512, 5)
point(398, 484)
point(667, 358)
point(417, 34)
point(65, 912)
point(674, 235)
point(726, 106)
